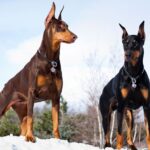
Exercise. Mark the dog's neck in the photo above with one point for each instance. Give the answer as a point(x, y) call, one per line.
point(136, 69)
point(49, 47)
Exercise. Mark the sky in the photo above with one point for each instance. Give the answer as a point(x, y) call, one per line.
point(94, 22)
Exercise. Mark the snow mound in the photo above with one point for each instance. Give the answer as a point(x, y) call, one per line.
point(18, 143)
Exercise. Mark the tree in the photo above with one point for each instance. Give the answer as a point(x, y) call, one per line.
point(43, 123)
point(94, 84)
point(9, 124)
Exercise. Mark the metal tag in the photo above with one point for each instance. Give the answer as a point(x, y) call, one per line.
point(54, 65)
point(133, 83)
point(53, 70)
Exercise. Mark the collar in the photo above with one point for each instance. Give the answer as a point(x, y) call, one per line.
point(53, 63)
point(133, 79)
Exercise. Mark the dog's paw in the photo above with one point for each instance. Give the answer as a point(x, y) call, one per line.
point(107, 145)
point(56, 135)
point(30, 138)
point(132, 147)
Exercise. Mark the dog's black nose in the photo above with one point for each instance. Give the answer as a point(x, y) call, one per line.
point(74, 37)
point(128, 53)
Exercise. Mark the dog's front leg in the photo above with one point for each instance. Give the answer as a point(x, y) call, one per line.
point(147, 125)
point(29, 134)
point(55, 117)
point(119, 133)
point(129, 121)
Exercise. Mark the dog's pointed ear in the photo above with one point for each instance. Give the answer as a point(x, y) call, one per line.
point(60, 18)
point(50, 15)
point(141, 32)
point(125, 33)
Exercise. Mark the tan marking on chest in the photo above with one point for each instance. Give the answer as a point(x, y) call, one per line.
point(145, 93)
point(42, 80)
point(124, 92)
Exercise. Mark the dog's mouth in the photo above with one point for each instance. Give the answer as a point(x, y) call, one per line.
point(72, 39)
point(69, 41)
point(132, 56)
point(128, 57)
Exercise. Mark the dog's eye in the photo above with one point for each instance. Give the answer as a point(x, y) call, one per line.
point(125, 42)
point(66, 26)
point(61, 28)
point(135, 43)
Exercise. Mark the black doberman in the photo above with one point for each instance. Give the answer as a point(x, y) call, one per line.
point(128, 90)
point(40, 79)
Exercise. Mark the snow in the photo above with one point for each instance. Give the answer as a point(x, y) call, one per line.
point(18, 143)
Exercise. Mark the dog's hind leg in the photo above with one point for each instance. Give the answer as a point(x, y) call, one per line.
point(129, 120)
point(147, 125)
point(21, 109)
point(6, 103)
point(3, 104)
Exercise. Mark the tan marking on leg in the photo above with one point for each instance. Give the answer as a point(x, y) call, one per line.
point(145, 93)
point(24, 126)
point(129, 127)
point(29, 135)
point(107, 138)
point(119, 141)
point(147, 133)
point(124, 92)
point(59, 85)
point(55, 117)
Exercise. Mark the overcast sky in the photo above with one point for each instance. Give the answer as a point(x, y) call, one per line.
point(94, 21)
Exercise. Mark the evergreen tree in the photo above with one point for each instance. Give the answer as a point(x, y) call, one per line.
point(9, 124)
point(43, 124)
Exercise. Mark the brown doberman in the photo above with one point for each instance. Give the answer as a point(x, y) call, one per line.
point(40, 79)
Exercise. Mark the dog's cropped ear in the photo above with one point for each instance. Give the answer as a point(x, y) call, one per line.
point(141, 32)
point(60, 18)
point(50, 15)
point(125, 33)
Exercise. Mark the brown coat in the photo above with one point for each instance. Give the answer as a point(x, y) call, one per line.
point(40, 79)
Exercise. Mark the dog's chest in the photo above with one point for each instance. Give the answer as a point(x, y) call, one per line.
point(134, 97)
point(44, 80)
point(48, 86)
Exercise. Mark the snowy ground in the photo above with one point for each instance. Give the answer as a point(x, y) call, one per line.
point(18, 143)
